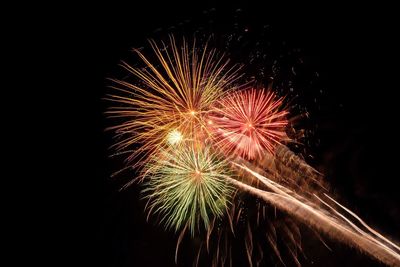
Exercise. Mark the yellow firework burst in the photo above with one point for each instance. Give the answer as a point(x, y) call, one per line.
point(170, 98)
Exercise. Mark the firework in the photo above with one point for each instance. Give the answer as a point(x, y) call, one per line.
point(172, 95)
point(186, 124)
point(186, 187)
point(246, 123)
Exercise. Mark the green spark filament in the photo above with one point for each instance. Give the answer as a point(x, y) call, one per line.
point(187, 188)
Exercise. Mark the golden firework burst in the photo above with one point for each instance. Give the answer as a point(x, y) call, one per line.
point(169, 101)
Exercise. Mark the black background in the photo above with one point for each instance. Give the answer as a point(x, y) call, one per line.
point(355, 52)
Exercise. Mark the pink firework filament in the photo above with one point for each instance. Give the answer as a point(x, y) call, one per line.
point(247, 122)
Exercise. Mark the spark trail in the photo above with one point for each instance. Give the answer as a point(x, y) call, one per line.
point(329, 221)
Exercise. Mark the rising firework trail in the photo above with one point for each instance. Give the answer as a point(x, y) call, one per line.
point(330, 222)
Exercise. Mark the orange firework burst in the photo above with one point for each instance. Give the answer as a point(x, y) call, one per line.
point(168, 103)
point(246, 123)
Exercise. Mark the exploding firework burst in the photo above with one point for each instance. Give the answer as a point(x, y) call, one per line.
point(172, 95)
point(187, 187)
point(246, 123)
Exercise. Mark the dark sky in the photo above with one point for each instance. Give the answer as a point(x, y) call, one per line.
point(353, 49)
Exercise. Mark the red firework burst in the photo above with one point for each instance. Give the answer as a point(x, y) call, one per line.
point(248, 122)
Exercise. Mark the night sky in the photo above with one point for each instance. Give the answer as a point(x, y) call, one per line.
point(348, 82)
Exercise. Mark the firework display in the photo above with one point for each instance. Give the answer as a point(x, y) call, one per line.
point(203, 141)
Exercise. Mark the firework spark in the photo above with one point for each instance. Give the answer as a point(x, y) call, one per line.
point(173, 93)
point(246, 123)
point(186, 186)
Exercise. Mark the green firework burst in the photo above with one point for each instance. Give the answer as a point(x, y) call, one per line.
point(187, 187)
